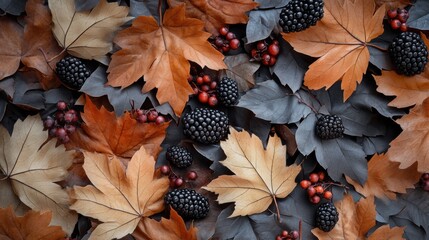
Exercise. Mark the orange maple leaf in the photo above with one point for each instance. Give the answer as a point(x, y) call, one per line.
point(355, 220)
point(166, 229)
point(412, 145)
point(217, 13)
point(385, 178)
point(103, 132)
point(33, 225)
point(340, 40)
point(161, 54)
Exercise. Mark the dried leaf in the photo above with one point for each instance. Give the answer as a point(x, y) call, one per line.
point(87, 34)
point(412, 145)
point(32, 172)
point(119, 198)
point(391, 4)
point(340, 42)
point(217, 13)
point(385, 178)
point(33, 225)
point(166, 229)
point(241, 70)
point(355, 220)
point(10, 51)
point(161, 54)
point(386, 233)
point(261, 175)
point(121, 136)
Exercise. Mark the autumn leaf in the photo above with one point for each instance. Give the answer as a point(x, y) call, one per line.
point(121, 136)
point(217, 13)
point(33, 225)
point(355, 220)
point(119, 198)
point(340, 42)
point(87, 34)
point(261, 174)
point(32, 173)
point(412, 145)
point(166, 229)
point(385, 178)
point(161, 54)
point(10, 51)
point(392, 4)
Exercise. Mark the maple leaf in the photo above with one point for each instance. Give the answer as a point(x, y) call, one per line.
point(166, 229)
point(412, 145)
point(340, 42)
point(160, 53)
point(385, 178)
point(217, 13)
point(355, 220)
point(261, 175)
point(121, 136)
point(33, 225)
point(32, 173)
point(119, 198)
point(10, 51)
point(241, 70)
point(392, 4)
point(87, 34)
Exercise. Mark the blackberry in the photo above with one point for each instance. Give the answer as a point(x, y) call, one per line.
point(409, 53)
point(329, 127)
point(72, 72)
point(227, 91)
point(299, 15)
point(326, 216)
point(179, 156)
point(188, 203)
point(206, 125)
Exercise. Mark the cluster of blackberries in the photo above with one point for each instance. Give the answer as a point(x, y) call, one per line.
point(329, 127)
point(225, 41)
point(285, 235)
point(72, 72)
point(316, 187)
point(143, 116)
point(398, 18)
point(206, 125)
point(64, 122)
point(265, 53)
point(424, 181)
point(299, 15)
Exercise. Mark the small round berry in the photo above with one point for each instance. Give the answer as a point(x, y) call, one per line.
point(314, 177)
point(172, 181)
point(165, 169)
point(213, 85)
point(315, 199)
point(294, 234)
point(190, 78)
point(275, 42)
point(223, 31)
point(425, 176)
point(266, 57)
point(234, 44)
point(68, 117)
point(285, 233)
point(61, 105)
point(178, 182)
point(52, 132)
point(403, 27)
point(160, 120)
point(59, 116)
point(254, 53)
point(205, 88)
point(319, 189)
point(70, 129)
point(219, 42)
point(139, 112)
point(60, 133)
point(229, 36)
point(200, 80)
point(272, 61)
point(392, 13)
point(279, 237)
point(395, 24)
point(225, 48)
point(196, 90)
point(327, 195)
point(142, 118)
point(403, 17)
point(261, 46)
point(273, 50)
point(305, 184)
point(212, 101)
point(311, 191)
point(48, 123)
point(65, 139)
point(203, 97)
point(191, 175)
point(152, 115)
point(321, 176)
point(207, 79)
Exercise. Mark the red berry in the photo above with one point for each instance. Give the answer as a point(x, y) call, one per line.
point(223, 31)
point(294, 234)
point(275, 42)
point(165, 169)
point(315, 199)
point(139, 112)
point(395, 24)
point(285, 233)
point(272, 61)
point(425, 176)
point(266, 57)
point(207, 79)
point(273, 50)
point(178, 182)
point(403, 27)
point(152, 115)
point(225, 48)
point(266, 63)
point(205, 88)
point(213, 101)
point(203, 97)
point(234, 43)
point(319, 189)
point(213, 85)
point(327, 195)
point(172, 181)
point(321, 176)
point(52, 132)
point(48, 123)
point(160, 120)
point(196, 91)
point(191, 175)
point(142, 118)
point(229, 36)
point(311, 191)
point(254, 53)
point(305, 184)
point(190, 78)
point(279, 237)
point(65, 139)
point(199, 80)
point(60, 133)
point(261, 46)
point(68, 117)
point(314, 177)
point(403, 17)
point(392, 13)
point(59, 116)
point(69, 128)
point(219, 42)
point(61, 105)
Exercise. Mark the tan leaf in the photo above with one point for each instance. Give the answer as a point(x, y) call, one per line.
point(119, 198)
point(33, 172)
point(87, 34)
point(10, 50)
point(391, 4)
point(161, 54)
point(217, 13)
point(385, 179)
point(166, 229)
point(412, 145)
point(261, 174)
point(340, 42)
point(386, 233)
point(33, 225)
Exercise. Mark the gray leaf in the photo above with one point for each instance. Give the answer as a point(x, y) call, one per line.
point(419, 15)
point(28, 91)
point(14, 7)
point(261, 24)
point(144, 8)
point(236, 228)
point(85, 5)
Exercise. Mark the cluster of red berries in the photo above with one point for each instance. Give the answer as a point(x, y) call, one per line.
point(316, 187)
point(204, 87)
point(424, 181)
point(265, 52)
point(175, 180)
point(398, 18)
point(64, 122)
point(151, 115)
point(225, 41)
point(285, 235)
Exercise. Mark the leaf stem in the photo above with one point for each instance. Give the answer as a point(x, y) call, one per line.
point(300, 229)
point(300, 100)
point(377, 47)
point(277, 208)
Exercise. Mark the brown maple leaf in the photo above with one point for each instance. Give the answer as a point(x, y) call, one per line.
point(87, 34)
point(216, 13)
point(103, 132)
point(260, 177)
point(355, 220)
point(161, 54)
point(119, 198)
point(412, 145)
point(32, 173)
point(340, 41)
point(392, 4)
point(10, 51)
point(385, 178)
point(33, 225)
point(166, 229)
